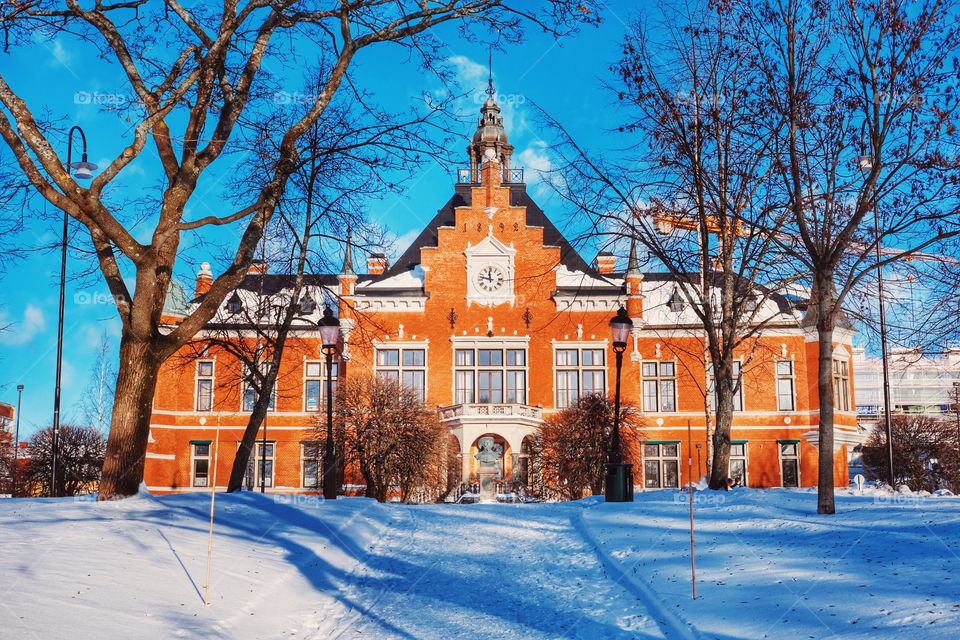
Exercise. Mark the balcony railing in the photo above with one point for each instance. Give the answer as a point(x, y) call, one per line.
point(479, 410)
point(510, 176)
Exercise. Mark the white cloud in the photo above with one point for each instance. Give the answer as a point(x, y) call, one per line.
point(535, 160)
point(22, 332)
point(469, 73)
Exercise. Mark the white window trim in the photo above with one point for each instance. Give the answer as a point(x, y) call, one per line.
point(793, 383)
point(676, 385)
point(496, 342)
point(660, 459)
point(746, 462)
point(780, 459)
point(196, 385)
point(193, 468)
point(579, 345)
point(323, 381)
point(303, 458)
point(851, 408)
point(400, 345)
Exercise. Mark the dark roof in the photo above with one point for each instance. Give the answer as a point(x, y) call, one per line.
point(461, 198)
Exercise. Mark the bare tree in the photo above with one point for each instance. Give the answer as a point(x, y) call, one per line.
point(80, 452)
point(572, 446)
point(198, 77)
point(395, 441)
point(694, 192)
point(97, 401)
point(924, 448)
point(860, 96)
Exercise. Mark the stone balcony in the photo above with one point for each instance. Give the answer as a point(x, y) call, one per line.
point(507, 412)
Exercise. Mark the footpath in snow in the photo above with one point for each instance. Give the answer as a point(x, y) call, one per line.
point(295, 567)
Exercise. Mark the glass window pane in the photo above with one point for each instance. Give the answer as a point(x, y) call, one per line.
point(201, 450)
point(736, 449)
point(313, 395)
point(650, 395)
point(650, 369)
point(651, 450)
point(465, 357)
point(206, 369)
point(738, 471)
point(388, 357)
point(314, 370)
point(464, 386)
point(788, 449)
point(516, 357)
point(671, 473)
point(413, 357)
point(311, 473)
point(791, 475)
point(784, 367)
point(667, 401)
point(204, 395)
point(666, 369)
point(390, 375)
point(671, 450)
point(567, 357)
point(651, 474)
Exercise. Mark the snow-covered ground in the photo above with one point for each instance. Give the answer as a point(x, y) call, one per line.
point(886, 566)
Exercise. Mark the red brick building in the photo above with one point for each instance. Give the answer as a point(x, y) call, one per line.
point(497, 321)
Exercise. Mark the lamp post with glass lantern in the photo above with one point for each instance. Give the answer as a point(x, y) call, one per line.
point(865, 163)
point(619, 484)
point(84, 171)
point(329, 334)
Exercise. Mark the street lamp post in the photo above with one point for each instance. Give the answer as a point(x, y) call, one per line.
point(16, 440)
point(84, 171)
point(619, 484)
point(329, 334)
point(866, 165)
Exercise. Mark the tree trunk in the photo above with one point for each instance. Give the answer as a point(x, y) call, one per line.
point(130, 423)
point(723, 386)
point(825, 497)
point(245, 450)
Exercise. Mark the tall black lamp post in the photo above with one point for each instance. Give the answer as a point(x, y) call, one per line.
point(16, 441)
point(865, 163)
point(619, 485)
point(84, 171)
point(329, 334)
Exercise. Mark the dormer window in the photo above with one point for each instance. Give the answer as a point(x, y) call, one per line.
point(307, 304)
point(675, 303)
point(234, 304)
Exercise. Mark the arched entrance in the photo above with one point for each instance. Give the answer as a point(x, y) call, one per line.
point(505, 467)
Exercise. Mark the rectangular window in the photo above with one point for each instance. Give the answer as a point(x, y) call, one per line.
point(841, 385)
point(261, 466)
point(310, 462)
point(205, 385)
point(490, 376)
point(738, 463)
point(735, 376)
point(579, 372)
point(661, 465)
point(315, 384)
point(250, 392)
point(785, 401)
point(790, 464)
point(201, 464)
point(404, 366)
point(659, 387)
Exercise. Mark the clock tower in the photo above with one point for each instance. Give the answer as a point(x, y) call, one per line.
point(490, 272)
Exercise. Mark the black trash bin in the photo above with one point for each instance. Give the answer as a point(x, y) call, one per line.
point(619, 485)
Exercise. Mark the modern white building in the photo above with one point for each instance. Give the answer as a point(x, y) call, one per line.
point(919, 383)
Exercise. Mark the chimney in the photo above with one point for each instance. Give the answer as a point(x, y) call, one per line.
point(258, 267)
point(377, 264)
point(204, 280)
point(605, 262)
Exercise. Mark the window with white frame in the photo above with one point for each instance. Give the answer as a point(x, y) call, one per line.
point(205, 385)
point(661, 465)
point(200, 462)
point(785, 399)
point(659, 384)
point(315, 383)
point(841, 385)
point(579, 372)
point(789, 463)
point(250, 392)
point(261, 465)
point(490, 376)
point(404, 366)
point(310, 464)
point(735, 376)
point(738, 463)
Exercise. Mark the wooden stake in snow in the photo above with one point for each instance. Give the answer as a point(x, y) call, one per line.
point(213, 499)
point(693, 564)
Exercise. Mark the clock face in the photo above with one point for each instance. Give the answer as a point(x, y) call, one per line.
point(490, 279)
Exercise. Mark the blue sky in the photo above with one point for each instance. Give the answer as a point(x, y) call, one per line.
point(563, 78)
